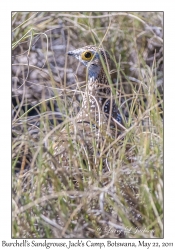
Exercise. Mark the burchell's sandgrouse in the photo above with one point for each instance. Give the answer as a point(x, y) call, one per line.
point(80, 140)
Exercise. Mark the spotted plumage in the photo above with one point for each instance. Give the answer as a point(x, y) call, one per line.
point(97, 85)
point(98, 111)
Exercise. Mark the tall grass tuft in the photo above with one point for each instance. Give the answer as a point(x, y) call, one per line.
point(126, 201)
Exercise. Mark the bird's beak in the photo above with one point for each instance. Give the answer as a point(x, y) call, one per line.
point(70, 53)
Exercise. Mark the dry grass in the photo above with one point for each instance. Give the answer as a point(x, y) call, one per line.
point(125, 201)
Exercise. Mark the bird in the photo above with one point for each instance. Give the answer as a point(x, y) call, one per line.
point(97, 82)
point(98, 119)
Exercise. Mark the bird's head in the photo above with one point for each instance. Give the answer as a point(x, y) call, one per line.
point(91, 57)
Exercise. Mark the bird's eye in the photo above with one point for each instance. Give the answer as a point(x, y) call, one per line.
point(87, 55)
